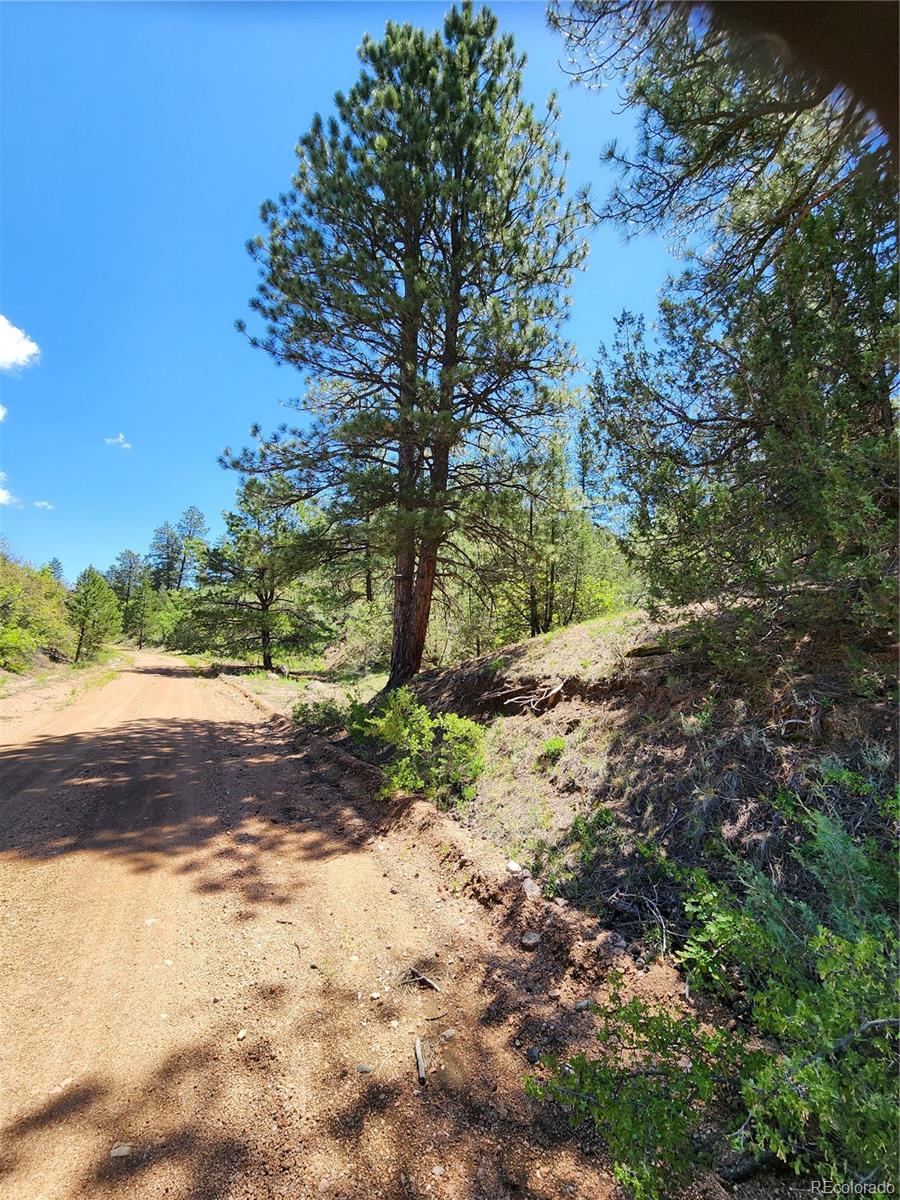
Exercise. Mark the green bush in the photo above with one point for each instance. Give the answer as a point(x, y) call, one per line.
point(441, 756)
point(459, 759)
point(648, 1091)
point(33, 615)
point(822, 992)
point(407, 730)
point(552, 751)
point(320, 716)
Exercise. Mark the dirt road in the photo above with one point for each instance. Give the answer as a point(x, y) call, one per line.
point(204, 931)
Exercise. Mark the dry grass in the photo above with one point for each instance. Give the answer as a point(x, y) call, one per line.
point(666, 753)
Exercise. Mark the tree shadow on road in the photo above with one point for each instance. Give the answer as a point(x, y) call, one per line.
point(209, 799)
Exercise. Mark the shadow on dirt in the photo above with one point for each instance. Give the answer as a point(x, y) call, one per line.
point(161, 793)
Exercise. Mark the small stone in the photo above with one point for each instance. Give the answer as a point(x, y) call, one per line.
point(364, 1069)
point(394, 891)
point(120, 1150)
point(437, 1172)
point(533, 1054)
point(394, 1024)
point(242, 1033)
point(530, 940)
point(554, 994)
point(561, 902)
point(531, 889)
point(513, 867)
point(582, 1005)
point(375, 996)
point(448, 1035)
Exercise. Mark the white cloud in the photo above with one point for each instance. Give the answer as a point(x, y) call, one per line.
point(3, 411)
point(118, 440)
point(42, 504)
point(16, 347)
point(7, 499)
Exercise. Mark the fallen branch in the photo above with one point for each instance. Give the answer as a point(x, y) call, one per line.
point(411, 975)
point(420, 1062)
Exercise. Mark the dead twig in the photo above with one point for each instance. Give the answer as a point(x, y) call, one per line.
point(420, 1062)
point(411, 975)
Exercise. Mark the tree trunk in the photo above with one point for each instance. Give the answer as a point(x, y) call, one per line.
point(80, 642)
point(425, 577)
point(534, 620)
point(370, 591)
point(403, 664)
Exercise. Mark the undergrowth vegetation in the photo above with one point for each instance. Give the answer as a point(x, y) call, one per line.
point(441, 757)
point(809, 1075)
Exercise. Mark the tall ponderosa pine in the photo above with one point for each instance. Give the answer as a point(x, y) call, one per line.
point(251, 602)
point(93, 612)
point(164, 556)
point(416, 271)
point(55, 567)
point(192, 530)
point(124, 578)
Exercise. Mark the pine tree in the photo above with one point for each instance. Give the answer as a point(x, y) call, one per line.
point(192, 530)
point(142, 609)
point(416, 271)
point(93, 613)
point(55, 567)
point(737, 142)
point(755, 436)
point(164, 557)
point(124, 578)
point(251, 601)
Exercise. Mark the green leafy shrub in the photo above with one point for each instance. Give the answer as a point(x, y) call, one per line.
point(828, 1102)
point(821, 990)
point(407, 730)
point(459, 759)
point(441, 756)
point(648, 1090)
point(552, 751)
point(33, 614)
point(320, 716)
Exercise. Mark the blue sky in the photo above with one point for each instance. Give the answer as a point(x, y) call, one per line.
point(136, 143)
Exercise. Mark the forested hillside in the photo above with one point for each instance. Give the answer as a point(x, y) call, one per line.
point(631, 619)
